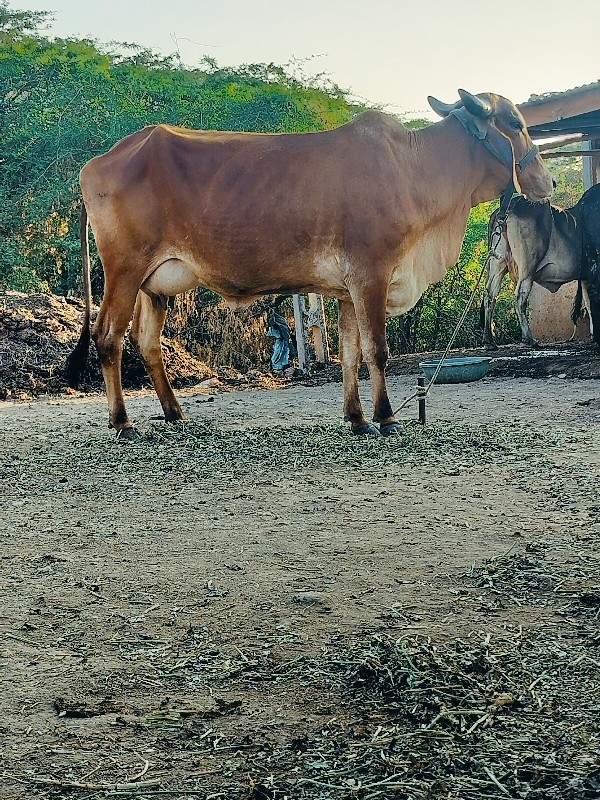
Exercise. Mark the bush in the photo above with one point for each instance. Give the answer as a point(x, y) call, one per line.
point(63, 101)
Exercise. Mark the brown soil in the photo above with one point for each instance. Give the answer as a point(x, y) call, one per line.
point(569, 360)
point(258, 605)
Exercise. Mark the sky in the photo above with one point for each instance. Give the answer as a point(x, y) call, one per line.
point(388, 52)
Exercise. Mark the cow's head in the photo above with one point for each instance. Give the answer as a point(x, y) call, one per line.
point(501, 128)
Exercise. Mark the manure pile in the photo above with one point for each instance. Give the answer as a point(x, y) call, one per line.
point(38, 331)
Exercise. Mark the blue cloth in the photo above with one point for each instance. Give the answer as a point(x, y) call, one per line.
point(283, 347)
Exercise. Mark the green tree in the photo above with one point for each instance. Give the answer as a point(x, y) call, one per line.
point(18, 23)
point(63, 101)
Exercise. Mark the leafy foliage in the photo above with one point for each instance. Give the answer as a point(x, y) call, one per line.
point(63, 101)
point(569, 181)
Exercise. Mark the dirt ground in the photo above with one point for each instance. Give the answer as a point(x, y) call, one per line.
point(258, 605)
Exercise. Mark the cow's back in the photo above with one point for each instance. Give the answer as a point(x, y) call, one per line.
point(324, 162)
point(252, 211)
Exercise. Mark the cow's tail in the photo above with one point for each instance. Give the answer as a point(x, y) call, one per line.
point(577, 303)
point(78, 358)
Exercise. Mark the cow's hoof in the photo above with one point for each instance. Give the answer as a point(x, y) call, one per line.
point(175, 416)
point(391, 429)
point(128, 435)
point(368, 429)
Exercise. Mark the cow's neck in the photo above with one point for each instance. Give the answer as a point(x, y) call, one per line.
point(462, 173)
point(451, 175)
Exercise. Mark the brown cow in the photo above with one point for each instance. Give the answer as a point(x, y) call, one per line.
point(369, 213)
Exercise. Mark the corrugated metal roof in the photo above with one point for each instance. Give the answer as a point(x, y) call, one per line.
point(536, 99)
point(574, 111)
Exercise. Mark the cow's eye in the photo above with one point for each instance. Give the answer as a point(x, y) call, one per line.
point(516, 124)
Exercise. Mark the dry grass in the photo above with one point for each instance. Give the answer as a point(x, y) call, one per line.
point(218, 336)
point(200, 450)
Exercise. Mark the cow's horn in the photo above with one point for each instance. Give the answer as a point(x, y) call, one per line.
point(443, 109)
point(475, 105)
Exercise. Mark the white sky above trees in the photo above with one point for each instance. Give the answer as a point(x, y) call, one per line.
point(391, 52)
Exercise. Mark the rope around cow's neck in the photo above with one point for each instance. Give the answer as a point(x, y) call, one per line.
point(423, 392)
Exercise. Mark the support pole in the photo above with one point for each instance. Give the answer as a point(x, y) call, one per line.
point(317, 327)
point(299, 315)
point(310, 322)
point(590, 165)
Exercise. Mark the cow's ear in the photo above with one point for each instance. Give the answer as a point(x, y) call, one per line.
point(442, 109)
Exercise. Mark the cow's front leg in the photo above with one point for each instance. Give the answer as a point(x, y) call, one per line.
point(369, 308)
point(497, 270)
point(148, 322)
point(522, 292)
point(350, 356)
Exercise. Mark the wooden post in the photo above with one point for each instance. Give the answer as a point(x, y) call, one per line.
point(299, 313)
point(317, 326)
point(310, 321)
point(590, 164)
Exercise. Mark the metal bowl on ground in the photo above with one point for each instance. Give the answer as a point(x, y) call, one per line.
point(456, 370)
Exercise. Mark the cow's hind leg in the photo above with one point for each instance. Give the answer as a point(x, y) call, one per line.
point(108, 333)
point(595, 317)
point(369, 308)
point(148, 322)
point(591, 301)
point(522, 292)
point(350, 356)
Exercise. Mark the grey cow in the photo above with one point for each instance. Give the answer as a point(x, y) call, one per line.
point(541, 244)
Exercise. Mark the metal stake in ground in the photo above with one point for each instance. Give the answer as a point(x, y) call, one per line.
point(422, 395)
